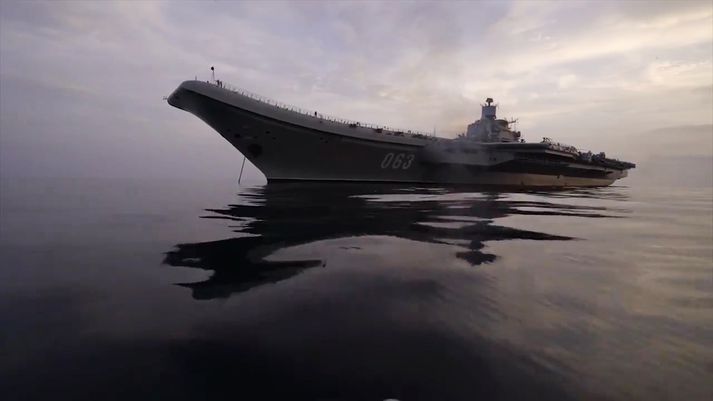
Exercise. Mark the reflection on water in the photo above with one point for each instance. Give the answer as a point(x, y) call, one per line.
point(353, 292)
point(281, 216)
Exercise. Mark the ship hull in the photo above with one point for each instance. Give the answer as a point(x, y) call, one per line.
point(485, 179)
point(289, 151)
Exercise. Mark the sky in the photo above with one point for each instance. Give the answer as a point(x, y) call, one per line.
point(82, 83)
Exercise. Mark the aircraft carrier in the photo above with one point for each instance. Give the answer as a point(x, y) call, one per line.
point(290, 144)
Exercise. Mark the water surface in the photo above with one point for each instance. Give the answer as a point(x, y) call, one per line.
point(120, 289)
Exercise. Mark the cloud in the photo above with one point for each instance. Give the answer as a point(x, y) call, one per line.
point(584, 73)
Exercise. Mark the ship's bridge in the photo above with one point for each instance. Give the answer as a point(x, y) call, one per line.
point(491, 129)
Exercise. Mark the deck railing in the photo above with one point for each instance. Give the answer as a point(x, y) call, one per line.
point(325, 117)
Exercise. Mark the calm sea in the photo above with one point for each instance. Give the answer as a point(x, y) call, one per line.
point(119, 289)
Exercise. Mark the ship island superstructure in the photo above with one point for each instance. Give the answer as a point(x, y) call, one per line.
point(287, 143)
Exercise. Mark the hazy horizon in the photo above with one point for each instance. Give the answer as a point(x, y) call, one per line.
point(81, 83)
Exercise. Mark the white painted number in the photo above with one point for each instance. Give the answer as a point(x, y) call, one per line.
point(398, 160)
point(387, 160)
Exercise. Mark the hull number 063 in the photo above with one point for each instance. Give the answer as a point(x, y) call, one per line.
point(397, 161)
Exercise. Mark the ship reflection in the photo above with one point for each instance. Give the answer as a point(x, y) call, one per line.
point(274, 217)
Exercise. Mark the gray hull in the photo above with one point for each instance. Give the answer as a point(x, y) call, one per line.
point(286, 145)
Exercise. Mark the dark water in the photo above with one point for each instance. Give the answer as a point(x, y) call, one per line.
point(186, 290)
